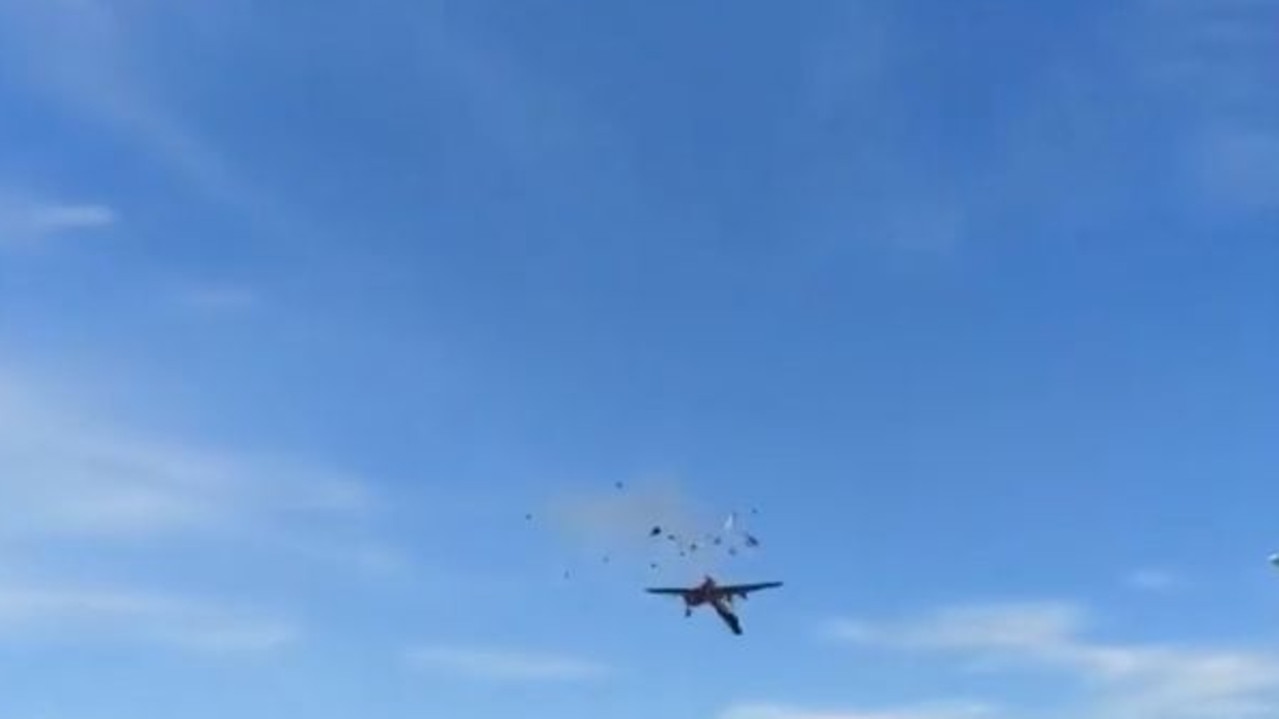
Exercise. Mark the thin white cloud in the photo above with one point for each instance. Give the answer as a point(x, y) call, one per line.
point(64, 474)
point(503, 664)
point(1214, 62)
point(62, 613)
point(1154, 579)
point(88, 57)
point(1150, 681)
point(70, 482)
point(950, 710)
point(1013, 625)
point(26, 219)
point(1195, 76)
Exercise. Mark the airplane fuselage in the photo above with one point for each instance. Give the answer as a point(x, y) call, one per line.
point(704, 593)
point(720, 598)
point(709, 593)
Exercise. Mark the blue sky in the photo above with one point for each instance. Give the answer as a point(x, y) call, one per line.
point(303, 308)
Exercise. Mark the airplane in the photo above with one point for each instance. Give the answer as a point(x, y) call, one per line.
point(719, 596)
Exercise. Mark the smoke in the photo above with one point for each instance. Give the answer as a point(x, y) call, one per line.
point(651, 523)
point(619, 518)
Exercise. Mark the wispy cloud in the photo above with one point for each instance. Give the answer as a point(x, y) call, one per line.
point(948, 710)
point(1010, 626)
point(1154, 579)
point(1168, 100)
point(64, 473)
point(72, 483)
point(1152, 681)
point(1214, 62)
point(503, 664)
point(63, 613)
point(85, 56)
point(26, 219)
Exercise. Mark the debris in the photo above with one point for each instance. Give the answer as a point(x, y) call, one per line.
point(619, 485)
point(655, 532)
point(751, 541)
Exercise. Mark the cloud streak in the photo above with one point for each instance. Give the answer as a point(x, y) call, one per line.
point(27, 220)
point(503, 664)
point(1167, 100)
point(1152, 579)
point(937, 711)
point(89, 58)
point(67, 613)
point(1151, 681)
point(72, 485)
point(63, 474)
point(1213, 61)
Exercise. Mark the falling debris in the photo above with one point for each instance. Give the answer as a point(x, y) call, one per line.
point(622, 521)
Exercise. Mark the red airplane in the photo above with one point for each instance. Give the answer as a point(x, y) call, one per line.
point(720, 597)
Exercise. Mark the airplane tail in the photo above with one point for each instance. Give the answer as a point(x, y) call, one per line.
point(734, 624)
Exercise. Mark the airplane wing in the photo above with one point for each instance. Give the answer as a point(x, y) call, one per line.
point(741, 590)
point(666, 590)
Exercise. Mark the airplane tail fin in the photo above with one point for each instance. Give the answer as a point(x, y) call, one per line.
point(734, 624)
